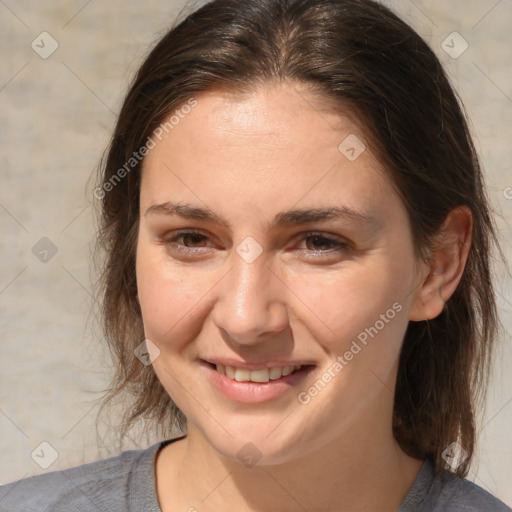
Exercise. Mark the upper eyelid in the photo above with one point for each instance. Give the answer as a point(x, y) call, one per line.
point(182, 232)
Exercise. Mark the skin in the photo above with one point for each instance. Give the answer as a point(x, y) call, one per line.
point(247, 159)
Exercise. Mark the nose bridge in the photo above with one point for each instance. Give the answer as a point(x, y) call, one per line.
point(250, 302)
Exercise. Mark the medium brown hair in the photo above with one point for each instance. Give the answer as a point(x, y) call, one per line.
point(359, 56)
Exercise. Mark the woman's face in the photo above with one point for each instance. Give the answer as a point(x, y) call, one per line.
point(297, 251)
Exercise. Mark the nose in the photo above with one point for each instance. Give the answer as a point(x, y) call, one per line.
point(250, 305)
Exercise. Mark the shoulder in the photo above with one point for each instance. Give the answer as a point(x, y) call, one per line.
point(457, 494)
point(99, 485)
point(447, 492)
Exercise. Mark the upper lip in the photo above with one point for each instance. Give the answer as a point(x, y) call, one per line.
point(278, 363)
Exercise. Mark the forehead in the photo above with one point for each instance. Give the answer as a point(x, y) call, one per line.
point(278, 145)
point(282, 115)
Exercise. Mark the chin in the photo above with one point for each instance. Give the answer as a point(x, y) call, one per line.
point(254, 443)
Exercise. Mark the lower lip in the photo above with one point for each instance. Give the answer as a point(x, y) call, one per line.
point(255, 392)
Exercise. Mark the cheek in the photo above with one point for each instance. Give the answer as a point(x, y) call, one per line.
point(357, 307)
point(169, 300)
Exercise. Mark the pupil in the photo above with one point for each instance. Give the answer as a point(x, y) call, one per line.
point(194, 238)
point(318, 241)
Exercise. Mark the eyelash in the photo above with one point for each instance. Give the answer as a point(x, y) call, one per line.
point(170, 242)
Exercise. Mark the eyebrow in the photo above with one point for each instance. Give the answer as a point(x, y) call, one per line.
point(290, 217)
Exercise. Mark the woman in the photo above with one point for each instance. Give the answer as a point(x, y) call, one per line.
point(296, 225)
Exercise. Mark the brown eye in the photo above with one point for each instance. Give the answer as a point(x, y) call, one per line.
point(317, 242)
point(193, 239)
point(186, 241)
point(320, 243)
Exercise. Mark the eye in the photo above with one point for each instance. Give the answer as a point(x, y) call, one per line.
point(185, 241)
point(192, 242)
point(318, 243)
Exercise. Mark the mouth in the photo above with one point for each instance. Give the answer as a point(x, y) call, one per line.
point(256, 384)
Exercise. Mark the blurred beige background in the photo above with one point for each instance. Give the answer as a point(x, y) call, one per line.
point(57, 115)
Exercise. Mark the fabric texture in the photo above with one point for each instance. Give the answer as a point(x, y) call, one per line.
point(126, 483)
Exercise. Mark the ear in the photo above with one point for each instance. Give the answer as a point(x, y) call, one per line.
point(446, 265)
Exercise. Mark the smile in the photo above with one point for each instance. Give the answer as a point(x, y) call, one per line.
point(256, 384)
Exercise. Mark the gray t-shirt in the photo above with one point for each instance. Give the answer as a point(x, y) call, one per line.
point(126, 483)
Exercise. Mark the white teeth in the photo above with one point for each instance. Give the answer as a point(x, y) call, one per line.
point(242, 375)
point(260, 375)
point(287, 370)
point(275, 373)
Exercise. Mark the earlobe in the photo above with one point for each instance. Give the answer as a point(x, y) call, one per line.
point(446, 265)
